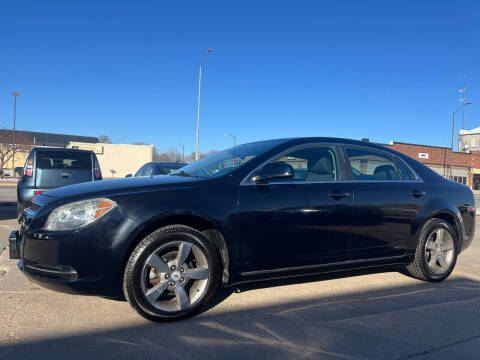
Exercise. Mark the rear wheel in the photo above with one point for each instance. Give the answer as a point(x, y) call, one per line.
point(171, 274)
point(436, 252)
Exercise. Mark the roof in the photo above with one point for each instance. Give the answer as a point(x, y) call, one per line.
point(48, 148)
point(45, 139)
point(470, 132)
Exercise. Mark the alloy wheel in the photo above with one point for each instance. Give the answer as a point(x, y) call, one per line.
point(175, 276)
point(439, 251)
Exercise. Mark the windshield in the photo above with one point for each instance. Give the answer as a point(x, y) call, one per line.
point(226, 161)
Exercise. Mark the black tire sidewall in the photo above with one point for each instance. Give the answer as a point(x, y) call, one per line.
point(146, 247)
point(426, 233)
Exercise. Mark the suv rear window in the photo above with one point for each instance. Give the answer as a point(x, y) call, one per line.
point(63, 160)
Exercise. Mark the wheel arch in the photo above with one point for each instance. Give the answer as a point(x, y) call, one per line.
point(207, 227)
point(448, 216)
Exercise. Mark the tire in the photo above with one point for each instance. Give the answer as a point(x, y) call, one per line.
point(427, 264)
point(19, 209)
point(157, 288)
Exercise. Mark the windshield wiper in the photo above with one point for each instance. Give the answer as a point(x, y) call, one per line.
point(183, 173)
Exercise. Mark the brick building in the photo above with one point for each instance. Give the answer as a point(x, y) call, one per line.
point(465, 166)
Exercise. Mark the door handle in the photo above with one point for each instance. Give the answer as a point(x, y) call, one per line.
point(338, 195)
point(418, 193)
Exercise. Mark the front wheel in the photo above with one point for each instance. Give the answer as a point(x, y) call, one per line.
point(436, 252)
point(171, 274)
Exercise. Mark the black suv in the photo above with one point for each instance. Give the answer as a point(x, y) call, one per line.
point(49, 168)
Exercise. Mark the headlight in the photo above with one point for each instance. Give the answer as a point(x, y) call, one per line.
point(78, 214)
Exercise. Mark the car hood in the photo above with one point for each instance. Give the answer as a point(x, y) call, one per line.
point(114, 186)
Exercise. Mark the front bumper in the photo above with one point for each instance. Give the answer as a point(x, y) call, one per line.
point(87, 261)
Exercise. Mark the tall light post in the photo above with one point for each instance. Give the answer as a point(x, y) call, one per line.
point(233, 136)
point(183, 151)
point(453, 134)
point(198, 108)
point(15, 94)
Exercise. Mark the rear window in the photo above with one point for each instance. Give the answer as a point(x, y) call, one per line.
point(63, 160)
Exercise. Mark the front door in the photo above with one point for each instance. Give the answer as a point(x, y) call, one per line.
point(300, 221)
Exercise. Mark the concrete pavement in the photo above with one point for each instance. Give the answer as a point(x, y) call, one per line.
point(359, 315)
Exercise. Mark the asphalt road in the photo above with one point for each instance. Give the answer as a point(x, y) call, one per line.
point(359, 315)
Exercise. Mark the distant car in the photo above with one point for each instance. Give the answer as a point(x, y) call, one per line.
point(49, 168)
point(158, 168)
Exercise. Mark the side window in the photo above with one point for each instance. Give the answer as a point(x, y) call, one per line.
point(405, 173)
point(369, 164)
point(139, 172)
point(312, 163)
point(148, 171)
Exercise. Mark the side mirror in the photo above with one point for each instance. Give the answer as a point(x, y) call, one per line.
point(276, 170)
point(128, 175)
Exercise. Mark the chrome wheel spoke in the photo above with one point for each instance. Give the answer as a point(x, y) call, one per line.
point(154, 293)
point(157, 262)
point(183, 299)
point(433, 260)
point(447, 246)
point(197, 274)
point(440, 237)
point(442, 262)
point(430, 245)
point(183, 251)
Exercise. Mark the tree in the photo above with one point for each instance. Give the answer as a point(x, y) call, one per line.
point(23, 144)
point(113, 172)
point(105, 139)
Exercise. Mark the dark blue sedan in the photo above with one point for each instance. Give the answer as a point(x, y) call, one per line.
point(257, 211)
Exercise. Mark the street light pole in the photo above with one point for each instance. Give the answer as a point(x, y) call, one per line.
point(453, 135)
point(15, 94)
point(183, 151)
point(233, 136)
point(198, 106)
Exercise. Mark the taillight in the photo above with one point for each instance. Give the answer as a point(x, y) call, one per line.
point(98, 172)
point(29, 169)
point(38, 192)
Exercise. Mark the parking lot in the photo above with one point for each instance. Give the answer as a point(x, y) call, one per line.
point(361, 315)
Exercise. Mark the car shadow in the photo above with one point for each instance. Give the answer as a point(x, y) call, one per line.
point(394, 322)
point(8, 210)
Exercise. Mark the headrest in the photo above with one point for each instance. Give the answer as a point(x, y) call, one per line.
point(385, 172)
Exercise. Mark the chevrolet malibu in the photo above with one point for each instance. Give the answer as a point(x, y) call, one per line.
point(257, 211)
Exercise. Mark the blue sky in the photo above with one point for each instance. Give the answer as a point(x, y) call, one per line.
point(387, 70)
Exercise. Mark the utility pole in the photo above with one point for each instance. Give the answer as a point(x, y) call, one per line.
point(453, 136)
point(463, 100)
point(15, 94)
point(198, 107)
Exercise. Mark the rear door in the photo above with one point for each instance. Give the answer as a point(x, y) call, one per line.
point(56, 168)
point(387, 199)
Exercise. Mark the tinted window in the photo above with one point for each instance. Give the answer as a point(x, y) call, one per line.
point(313, 163)
point(63, 160)
point(165, 170)
point(405, 172)
point(369, 164)
point(148, 171)
point(140, 171)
